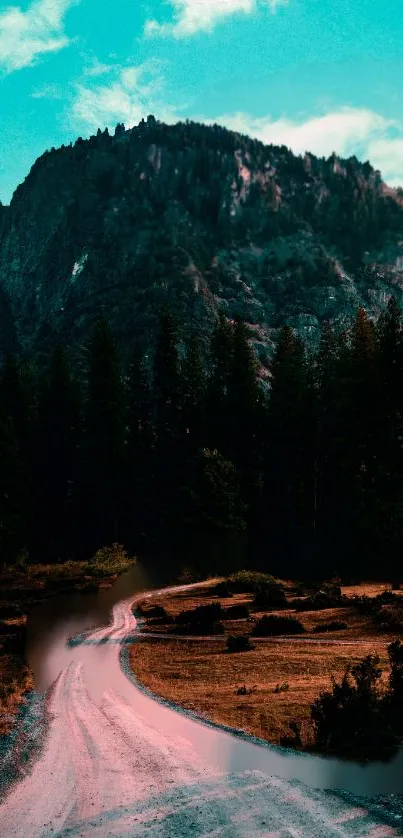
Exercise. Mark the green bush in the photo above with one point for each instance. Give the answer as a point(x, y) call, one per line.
point(239, 643)
point(281, 688)
point(351, 720)
point(391, 617)
point(320, 600)
point(269, 597)
point(245, 690)
point(201, 614)
point(222, 590)
point(250, 581)
point(272, 624)
point(108, 561)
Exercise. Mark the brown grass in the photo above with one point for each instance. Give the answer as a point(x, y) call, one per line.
point(200, 675)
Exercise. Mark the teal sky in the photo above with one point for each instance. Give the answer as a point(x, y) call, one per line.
point(317, 75)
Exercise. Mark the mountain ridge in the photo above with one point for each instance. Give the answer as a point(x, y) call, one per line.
point(202, 219)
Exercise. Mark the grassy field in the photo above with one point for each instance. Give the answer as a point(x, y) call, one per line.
point(21, 589)
point(262, 690)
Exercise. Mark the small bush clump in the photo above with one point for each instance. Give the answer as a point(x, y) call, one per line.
point(281, 688)
point(250, 581)
point(202, 620)
point(269, 597)
point(201, 614)
point(222, 590)
point(108, 561)
point(320, 600)
point(273, 624)
point(245, 690)
point(334, 625)
point(351, 720)
point(239, 643)
point(391, 617)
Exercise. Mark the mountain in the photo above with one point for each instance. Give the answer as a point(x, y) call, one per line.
point(203, 219)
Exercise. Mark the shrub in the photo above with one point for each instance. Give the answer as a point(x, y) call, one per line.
point(391, 617)
point(201, 614)
point(250, 581)
point(294, 740)
point(351, 719)
point(334, 625)
point(245, 690)
point(395, 693)
point(319, 601)
point(239, 643)
point(161, 621)
point(109, 561)
point(281, 688)
point(222, 590)
point(156, 611)
point(269, 597)
point(395, 585)
point(272, 624)
point(236, 612)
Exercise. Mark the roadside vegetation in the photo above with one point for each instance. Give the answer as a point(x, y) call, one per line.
point(342, 696)
point(24, 586)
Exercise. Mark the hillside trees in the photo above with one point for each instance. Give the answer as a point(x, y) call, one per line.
point(185, 452)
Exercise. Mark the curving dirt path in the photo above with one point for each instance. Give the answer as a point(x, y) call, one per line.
point(118, 763)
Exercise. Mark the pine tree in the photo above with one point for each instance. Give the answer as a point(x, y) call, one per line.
point(14, 497)
point(289, 493)
point(389, 450)
point(104, 436)
point(221, 352)
point(193, 393)
point(166, 377)
point(56, 466)
point(139, 459)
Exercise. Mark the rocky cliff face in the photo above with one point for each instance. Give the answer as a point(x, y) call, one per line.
point(201, 218)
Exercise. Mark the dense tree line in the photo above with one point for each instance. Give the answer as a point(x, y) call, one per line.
point(187, 455)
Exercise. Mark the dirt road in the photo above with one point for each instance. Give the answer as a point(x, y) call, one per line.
point(117, 763)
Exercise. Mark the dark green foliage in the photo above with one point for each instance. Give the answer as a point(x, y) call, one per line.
point(222, 590)
point(202, 620)
point(319, 601)
point(58, 436)
point(268, 597)
point(248, 581)
point(352, 719)
point(294, 738)
point(201, 614)
point(273, 624)
point(104, 439)
point(334, 625)
point(239, 643)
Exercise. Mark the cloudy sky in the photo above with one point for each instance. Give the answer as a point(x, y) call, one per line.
point(317, 75)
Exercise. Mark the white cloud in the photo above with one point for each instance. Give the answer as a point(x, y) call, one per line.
point(98, 69)
point(130, 96)
point(25, 35)
point(386, 154)
point(345, 131)
point(191, 16)
point(47, 91)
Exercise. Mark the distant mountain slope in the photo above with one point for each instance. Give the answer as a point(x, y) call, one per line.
point(202, 218)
